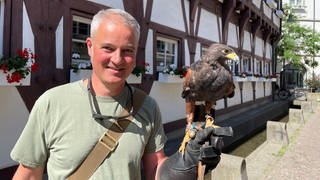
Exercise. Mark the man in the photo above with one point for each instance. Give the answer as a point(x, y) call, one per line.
point(61, 130)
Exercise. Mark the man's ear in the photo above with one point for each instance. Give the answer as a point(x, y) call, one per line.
point(89, 46)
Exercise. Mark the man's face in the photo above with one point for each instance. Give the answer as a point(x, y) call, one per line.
point(112, 50)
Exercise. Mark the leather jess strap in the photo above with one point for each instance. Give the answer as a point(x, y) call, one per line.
point(108, 142)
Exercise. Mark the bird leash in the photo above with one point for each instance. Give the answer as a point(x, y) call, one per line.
point(215, 142)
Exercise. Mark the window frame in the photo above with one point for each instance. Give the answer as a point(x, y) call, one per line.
point(167, 39)
point(246, 64)
point(80, 63)
point(258, 66)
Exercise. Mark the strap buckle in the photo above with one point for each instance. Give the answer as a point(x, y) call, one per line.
point(108, 141)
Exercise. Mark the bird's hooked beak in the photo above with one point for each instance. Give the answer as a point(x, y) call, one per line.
point(233, 56)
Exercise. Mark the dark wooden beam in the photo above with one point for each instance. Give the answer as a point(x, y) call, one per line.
point(228, 7)
point(244, 19)
point(193, 9)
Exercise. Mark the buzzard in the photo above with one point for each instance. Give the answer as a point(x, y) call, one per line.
point(208, 80)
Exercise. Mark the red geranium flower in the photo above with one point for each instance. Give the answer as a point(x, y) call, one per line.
point(19, 66)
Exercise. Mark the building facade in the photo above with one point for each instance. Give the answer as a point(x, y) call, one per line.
point(174, 33)
point(307, 16)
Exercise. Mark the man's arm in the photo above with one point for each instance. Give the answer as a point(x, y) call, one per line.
point(27, 173)
point(151, 162)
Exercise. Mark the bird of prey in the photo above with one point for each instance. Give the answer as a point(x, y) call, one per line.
point(208, 80)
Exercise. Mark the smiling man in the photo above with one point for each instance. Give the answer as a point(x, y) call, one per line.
point(101, 127)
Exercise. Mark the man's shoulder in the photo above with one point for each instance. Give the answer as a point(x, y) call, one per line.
point(63, 91)
point(139, 93)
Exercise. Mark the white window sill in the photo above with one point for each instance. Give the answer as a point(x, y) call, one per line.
point(167, 78)
point(23, 82)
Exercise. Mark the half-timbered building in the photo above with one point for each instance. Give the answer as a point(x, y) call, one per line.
point(173, 33)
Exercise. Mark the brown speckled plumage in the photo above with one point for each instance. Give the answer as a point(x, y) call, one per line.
point(210, 78)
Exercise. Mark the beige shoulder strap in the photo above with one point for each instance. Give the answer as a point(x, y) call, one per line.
point(107, 142)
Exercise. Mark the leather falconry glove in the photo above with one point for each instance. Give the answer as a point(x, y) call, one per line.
point(185, 166)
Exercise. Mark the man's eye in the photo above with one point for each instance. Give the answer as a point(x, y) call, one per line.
point(107, 48)
point(128, 51)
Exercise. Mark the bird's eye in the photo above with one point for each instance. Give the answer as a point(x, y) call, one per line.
point(226, 51)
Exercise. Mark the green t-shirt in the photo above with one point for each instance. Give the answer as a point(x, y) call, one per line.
point(61, 132)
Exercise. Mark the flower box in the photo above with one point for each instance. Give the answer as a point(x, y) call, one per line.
point(168, 78)
point(252, 78)
point(86, 73)
point(262, 79)
point(23, 82)
point(239, 79)
point(16, 70)
point(133, 79)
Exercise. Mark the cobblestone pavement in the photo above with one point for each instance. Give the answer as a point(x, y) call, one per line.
point(302, 159)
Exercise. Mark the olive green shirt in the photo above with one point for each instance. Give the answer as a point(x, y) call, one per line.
point(61, 132)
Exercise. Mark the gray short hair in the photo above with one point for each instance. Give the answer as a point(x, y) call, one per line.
point(105, 13)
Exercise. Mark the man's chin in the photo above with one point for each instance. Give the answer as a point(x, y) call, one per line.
point(115, 80)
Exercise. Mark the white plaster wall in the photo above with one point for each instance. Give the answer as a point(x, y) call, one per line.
point(256, 3)
point(259, 47)
point(208, 27)
point(59, 45)
point(13, 117)
point(267, 10)
point(168, 96)
point(197, 56)
point(276, 20)
point(236, 98)
point(144, 7)
point(111, 3)
point(27, 34)
point(268, 51)
point(187, 7)
point(149, 51)
point(247, 92)
point(268, 88)
point(1, 26)
point(186, 53)
point(247, 41)
point(168, 12)
point(233, 35)
point(259, 90)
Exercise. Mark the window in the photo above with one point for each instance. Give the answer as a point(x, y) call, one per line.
point(246, 64)
point(167, 53)
point(257, 67)
point(267, 68)
point(80, 32)
point(233, 66)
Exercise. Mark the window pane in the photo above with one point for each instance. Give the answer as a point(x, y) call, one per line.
point(170, 59)
point(166, 53)
point(160, 46)
point(81, 49)
point(246, 64)
point(80, 31)
point(160, 62)
point(170, 48)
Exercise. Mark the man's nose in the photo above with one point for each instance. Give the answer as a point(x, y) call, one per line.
point(116, 57)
